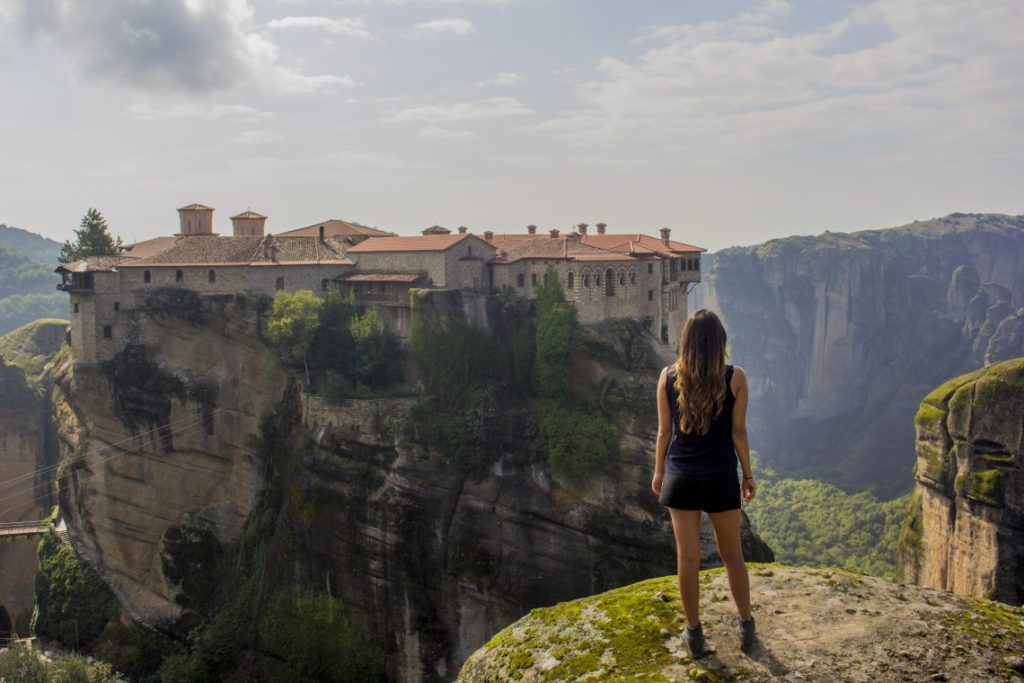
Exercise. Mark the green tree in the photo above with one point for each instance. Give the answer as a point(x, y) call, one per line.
point(333, 346)
point(556, 323)
point(91, 239)
point(291, 325)
point(377, 360)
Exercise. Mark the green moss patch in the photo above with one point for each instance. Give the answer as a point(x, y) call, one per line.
point(986, 486)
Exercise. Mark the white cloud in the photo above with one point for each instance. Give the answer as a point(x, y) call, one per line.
point(251, 137)
point(494, 107)
point(171, 45)
point(891, 67)
point(436, 27)
point(435, 133)
point(503, 78)
point(337, 27)
point(235, 112)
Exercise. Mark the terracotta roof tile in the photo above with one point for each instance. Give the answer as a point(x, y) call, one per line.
point(564, 246)
point(621, 242)
point(419, 243)
point(196, 207)
point(336, 227)
point(216, 250)
point(249, 214)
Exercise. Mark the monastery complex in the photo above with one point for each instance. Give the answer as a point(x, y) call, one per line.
point(605, 275)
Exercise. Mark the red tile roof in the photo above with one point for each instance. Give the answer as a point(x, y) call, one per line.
point(622, 243)
point(563, 246)
point(336, 227)
point(202, 250)
point(419, 243)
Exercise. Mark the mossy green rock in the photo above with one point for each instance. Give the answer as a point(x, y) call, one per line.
point(813, 624)
point(966, 528)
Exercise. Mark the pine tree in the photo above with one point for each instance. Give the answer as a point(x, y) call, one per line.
point(91, 239)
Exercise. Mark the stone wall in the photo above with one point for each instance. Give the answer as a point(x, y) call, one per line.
point(374, 422)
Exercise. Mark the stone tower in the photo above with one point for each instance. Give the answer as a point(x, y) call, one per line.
point(248, 224)
point(196, 219)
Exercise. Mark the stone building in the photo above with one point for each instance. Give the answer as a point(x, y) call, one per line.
point(604, 275)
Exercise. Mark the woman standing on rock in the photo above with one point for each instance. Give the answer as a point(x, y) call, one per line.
point(702, 413)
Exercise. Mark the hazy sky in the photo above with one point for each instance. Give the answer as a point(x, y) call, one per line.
point(730, 122)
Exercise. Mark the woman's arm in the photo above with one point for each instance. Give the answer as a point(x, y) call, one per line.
point(739, 430)
point(664, 433)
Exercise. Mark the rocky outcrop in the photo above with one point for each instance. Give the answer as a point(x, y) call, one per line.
point(812, 625)
point(965, 530)
point(842, 334)
point(430, 562)
point(28, 449)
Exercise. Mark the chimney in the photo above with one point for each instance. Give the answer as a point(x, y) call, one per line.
point(488, 235)
point(553, 233)
point(664, 236)
point(532, 229)
point(601, 227)
point(463, 229)
point(582, 228)
point(196, 219)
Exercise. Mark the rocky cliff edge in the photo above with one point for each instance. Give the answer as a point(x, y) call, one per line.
point(813, 624)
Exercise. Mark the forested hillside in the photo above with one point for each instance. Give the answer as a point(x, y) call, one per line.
point(27, 280)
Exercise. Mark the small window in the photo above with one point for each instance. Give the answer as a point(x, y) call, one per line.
point(632, 278)
point(597, 280)
point(520, 280)
point(533, 279)
point(570, 281)
point(650, 268)
point(179, 276)
point(108, 332)
point(586, 280)
point(650, 295)
point(323, 285)
point(146, 277)
point(279, 285)
point(117, 305)
point(622, 279)
point(211, 275)
point(76, 308)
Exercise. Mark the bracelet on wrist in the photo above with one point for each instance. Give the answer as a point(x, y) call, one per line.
point(748, 477)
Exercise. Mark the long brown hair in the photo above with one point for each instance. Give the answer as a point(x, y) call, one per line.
point(700, 372)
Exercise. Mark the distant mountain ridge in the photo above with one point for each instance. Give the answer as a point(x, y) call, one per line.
point(27, 280)
point(843, 334)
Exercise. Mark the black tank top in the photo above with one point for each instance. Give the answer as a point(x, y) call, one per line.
point(710, 453)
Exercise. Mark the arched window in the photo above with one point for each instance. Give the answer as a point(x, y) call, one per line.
point(146, 277)
point(279, 285)
point(520, 280)
point(570, 281)
point(622, 279)
point(179, 276)
point(586, 280)
point(632, 278)
point(609, 283)
point(211, 275)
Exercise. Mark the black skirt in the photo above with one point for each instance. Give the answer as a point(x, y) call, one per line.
point(707, 492)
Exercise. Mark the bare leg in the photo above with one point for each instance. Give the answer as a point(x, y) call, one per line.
point(686, 529)
point(727, 537)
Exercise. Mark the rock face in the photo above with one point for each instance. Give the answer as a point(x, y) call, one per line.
point(842, 334)
point(965, 530)
point(812, 625)
point(430, 563)
point(28, 448)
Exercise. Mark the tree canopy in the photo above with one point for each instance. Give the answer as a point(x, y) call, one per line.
point(292, 323)
point(91, 239)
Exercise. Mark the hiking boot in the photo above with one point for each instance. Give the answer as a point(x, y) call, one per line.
point(746, 631)
point(694, 639)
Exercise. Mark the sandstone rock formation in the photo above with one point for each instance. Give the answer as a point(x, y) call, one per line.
point(842, 334)
point(430, 563)
point(28, 448)
point(965, 531)
point(819, 625)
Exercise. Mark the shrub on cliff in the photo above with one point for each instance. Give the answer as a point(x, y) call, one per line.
point(578, 440)
point(377, 352)
point(73, 601)
point(556, 323)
